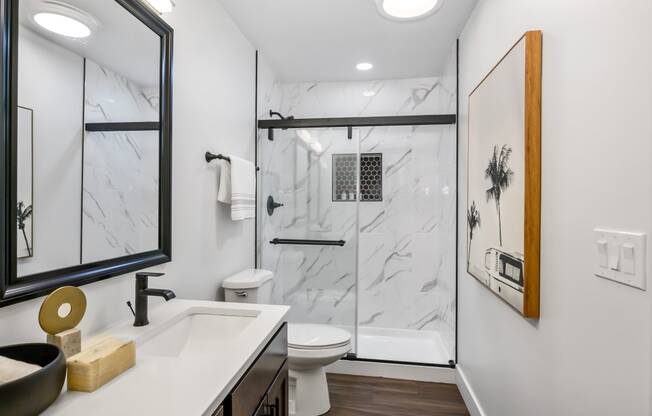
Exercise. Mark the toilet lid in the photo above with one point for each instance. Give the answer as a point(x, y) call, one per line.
point(313, 336)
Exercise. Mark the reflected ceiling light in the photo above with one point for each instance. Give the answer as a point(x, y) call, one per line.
point(305, 136)
point(162, 6)
point(62, 25)
point(369, 93)
point(364, 66)
point(408, 9)
point(316, 148)
point(309, 142)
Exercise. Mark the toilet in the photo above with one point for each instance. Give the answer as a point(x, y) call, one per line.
point(311, 347)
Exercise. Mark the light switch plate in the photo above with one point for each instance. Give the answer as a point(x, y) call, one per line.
point(624, 260)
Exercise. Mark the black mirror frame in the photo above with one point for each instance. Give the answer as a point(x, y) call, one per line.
point(13, 290)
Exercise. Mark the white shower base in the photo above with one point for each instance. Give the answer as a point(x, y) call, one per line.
point(404, 345)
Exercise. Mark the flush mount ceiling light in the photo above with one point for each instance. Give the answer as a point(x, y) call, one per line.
point(162, 6)
point(364, 66)
point(368, 93)
point(63, 19)
point(62, 25)
point(405, 10)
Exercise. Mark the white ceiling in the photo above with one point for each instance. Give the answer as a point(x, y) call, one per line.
point(322, 40)
point(122, 43)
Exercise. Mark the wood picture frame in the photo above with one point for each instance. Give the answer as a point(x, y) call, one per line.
point(504, 194)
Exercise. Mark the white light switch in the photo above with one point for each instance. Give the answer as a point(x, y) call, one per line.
point(620, 256)
point(614, 256)
point(603, 253)
point(628, 258)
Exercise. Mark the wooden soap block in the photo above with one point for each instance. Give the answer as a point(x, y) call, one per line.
point(100, 362)
point(68, 341)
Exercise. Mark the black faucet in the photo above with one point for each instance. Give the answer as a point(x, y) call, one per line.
point(143, 292)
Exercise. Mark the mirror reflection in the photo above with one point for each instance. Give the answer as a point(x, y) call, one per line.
point(87, 134)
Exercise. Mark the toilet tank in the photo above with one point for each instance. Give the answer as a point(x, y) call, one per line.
point(249, 286)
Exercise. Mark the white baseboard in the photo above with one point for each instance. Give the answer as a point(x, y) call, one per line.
point(396, 371)
point(470, 399)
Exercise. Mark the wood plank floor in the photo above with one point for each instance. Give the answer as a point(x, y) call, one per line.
point(370, 396)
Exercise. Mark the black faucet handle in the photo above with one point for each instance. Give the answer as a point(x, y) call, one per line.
point(131, 307)
point(144, 275)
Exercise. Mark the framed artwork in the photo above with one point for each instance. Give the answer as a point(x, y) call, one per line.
point(25, 183)
point(504, 177)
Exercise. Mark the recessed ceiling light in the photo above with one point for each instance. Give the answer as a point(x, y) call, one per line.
point(369, 93)
point(62, 25)
point(162, 6)
point(408, 9)
point(364, 66)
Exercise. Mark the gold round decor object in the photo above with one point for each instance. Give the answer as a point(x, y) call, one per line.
point(62, 310)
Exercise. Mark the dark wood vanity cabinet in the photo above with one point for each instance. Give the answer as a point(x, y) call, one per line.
point(278, 395)
point(264, 389)
point(275, 402)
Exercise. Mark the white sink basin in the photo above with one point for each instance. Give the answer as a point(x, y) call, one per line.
point(198, 332)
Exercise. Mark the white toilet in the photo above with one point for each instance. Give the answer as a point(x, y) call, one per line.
point(311, 347)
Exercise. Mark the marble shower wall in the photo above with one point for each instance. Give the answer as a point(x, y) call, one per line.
point(406, 251)
point(120, 169)
point(407, 241)
point(396, 97)
point(318, 281)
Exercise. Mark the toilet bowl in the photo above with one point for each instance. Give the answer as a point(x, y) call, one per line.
point(311, 347)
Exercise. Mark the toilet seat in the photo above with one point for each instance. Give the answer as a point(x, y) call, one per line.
point(316, 337)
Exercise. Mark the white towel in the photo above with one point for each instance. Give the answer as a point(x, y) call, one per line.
point(224, 190)
point(238, 187)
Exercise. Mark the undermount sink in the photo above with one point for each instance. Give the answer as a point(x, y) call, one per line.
point(198, 332)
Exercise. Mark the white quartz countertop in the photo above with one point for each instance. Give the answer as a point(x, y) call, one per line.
point(194, 384)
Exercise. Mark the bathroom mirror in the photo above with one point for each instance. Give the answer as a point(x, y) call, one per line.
point(87, 140)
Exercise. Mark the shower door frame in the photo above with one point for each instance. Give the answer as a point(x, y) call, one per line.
point(353, 122)
point(377, 121)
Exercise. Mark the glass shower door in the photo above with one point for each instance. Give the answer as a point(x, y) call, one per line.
point(407, 239)
point(308, 222)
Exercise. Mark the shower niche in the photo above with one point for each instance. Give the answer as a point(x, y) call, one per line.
point(345, 177)
point(371, 177)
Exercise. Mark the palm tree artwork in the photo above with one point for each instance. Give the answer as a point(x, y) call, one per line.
point(474, 221)
point(500, 175)
point(23, 213)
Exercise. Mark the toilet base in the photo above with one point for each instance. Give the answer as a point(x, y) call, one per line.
point(309, 392)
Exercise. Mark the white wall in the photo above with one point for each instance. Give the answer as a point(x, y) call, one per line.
point(51, 82)
point(213, 110)
point(589, 354)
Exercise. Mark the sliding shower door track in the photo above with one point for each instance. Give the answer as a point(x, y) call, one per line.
point(354, 357)
point(307, 123)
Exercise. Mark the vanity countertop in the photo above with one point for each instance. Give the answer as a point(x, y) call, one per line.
point(160, 384)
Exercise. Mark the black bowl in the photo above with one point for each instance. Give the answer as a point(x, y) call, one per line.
point(34, 393)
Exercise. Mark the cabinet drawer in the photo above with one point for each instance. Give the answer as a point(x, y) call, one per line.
point(251, 390)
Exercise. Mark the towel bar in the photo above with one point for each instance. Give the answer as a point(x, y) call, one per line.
point(210, 157)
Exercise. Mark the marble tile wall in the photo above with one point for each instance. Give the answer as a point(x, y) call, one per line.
point(318, 281)
point(407, 241)
point(349, 99)
point(405, 258)
point(120, 169)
